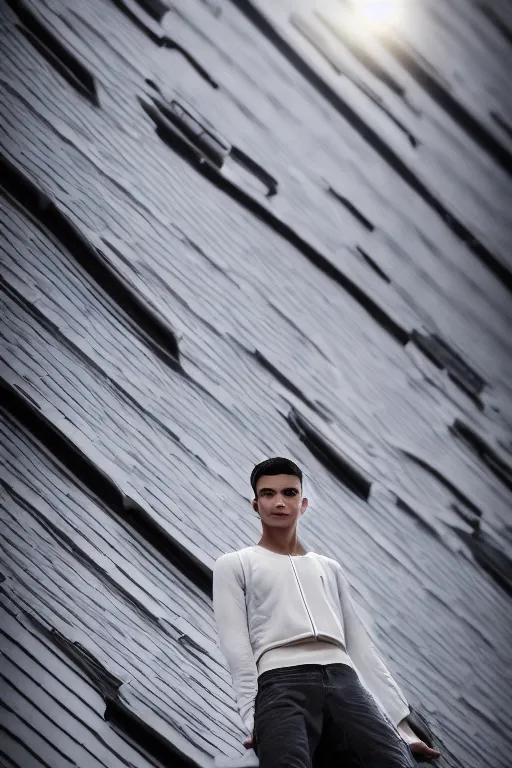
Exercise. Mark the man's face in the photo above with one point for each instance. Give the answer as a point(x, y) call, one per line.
point(279, 500)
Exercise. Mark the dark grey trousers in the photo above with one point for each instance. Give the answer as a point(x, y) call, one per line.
point(321, 716)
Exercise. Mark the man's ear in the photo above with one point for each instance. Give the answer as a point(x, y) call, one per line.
point(255, 505)
point(304, 505)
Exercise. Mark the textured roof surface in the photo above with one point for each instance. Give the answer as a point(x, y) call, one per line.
point(232, 230)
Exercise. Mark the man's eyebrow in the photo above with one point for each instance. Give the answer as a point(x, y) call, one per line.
point(288, 488)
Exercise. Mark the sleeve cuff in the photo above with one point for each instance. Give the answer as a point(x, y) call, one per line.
point(249, 723)
point(406, 732)
point(400, 714)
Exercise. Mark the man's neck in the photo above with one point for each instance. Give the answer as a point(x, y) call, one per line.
point(284, 546)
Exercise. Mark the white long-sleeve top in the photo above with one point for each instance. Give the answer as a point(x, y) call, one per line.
point(275, 610)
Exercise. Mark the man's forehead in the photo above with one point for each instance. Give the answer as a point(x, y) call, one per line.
point(278, 482)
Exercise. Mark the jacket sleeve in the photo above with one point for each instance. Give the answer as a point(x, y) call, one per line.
point(372, 670)
point(231, 620)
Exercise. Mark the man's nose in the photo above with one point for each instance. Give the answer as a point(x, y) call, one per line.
point(280, 502)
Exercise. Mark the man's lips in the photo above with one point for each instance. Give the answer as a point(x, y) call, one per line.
point(279, 514)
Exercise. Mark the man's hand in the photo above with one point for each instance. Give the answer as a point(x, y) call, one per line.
point(417, 747)
point(249, 743)
point(420, 749)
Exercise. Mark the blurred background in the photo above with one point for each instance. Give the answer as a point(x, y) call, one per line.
point(233, 229)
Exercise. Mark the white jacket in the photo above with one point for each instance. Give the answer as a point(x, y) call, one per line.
point(263, 601)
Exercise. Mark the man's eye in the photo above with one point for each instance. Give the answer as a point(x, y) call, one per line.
point(290, 492)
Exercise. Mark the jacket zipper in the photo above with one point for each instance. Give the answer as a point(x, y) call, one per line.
point(304, 599)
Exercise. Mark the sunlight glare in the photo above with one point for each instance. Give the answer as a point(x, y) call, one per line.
point(379, 15)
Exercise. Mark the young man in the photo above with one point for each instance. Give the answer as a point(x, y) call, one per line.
point(302, 663)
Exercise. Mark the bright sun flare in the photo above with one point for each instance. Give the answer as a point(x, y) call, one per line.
point(378, 14)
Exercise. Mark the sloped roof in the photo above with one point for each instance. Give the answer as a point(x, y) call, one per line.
point(230, 230)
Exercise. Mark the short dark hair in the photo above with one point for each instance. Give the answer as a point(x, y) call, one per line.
point(275, 466)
